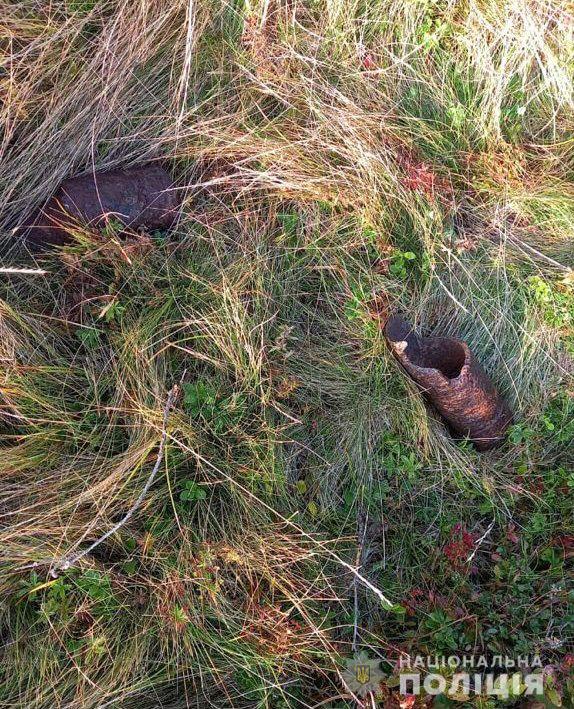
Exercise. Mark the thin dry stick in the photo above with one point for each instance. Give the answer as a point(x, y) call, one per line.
point(361, 534)
point(23, 271)
point(67, 563)
point(380, 595)
point(330, 700)
point(479, 542)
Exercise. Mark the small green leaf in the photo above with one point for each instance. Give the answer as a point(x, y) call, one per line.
point(199, 397)
point(313, 509)
point(115, 312)
point(192, 492)
point(130, 567)
point(89, 337)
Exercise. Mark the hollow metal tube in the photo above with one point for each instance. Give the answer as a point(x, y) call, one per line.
point(136, 197)
point(455, 383)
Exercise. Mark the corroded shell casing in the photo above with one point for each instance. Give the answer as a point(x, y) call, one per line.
point(136, 197)
point(455, 383)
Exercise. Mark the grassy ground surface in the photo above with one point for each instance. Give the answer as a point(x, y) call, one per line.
point(338, 160)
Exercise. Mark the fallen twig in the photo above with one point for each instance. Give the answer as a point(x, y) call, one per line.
point(23, 271)
point(68, 562)
point(361, 534)
point(479, 541)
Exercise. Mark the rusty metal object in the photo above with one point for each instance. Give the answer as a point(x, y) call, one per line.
point(136, 197)
point(453, 381)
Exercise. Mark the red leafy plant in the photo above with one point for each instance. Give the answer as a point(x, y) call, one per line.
point(460, 546)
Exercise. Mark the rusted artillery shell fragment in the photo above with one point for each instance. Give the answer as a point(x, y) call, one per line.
point(136, 197)
point(453, 381)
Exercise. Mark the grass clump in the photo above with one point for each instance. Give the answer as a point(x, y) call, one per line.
point(339, 161)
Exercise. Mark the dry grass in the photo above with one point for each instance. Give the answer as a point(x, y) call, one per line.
point(304, 481)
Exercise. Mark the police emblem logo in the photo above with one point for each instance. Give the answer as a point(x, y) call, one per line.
point(362, 675)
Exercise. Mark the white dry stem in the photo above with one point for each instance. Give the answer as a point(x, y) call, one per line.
point(349, 567)
point(66, 563)
point(23, 271)
point(479, 542)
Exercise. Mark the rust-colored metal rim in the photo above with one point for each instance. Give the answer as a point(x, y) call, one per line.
point(454, 382)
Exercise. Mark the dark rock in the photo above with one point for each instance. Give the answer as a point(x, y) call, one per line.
point(453, 380)
point(135, 197)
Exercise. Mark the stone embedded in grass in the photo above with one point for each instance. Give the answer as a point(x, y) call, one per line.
point(129, 199)
point(454, 382)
